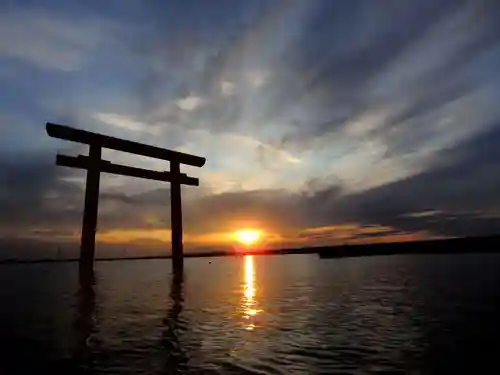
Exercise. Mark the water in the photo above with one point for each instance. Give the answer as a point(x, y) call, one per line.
point(292, 314)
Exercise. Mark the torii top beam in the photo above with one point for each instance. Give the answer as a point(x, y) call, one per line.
point(90, 138)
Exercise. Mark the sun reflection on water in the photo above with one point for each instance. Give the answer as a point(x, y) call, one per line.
point(249, 303)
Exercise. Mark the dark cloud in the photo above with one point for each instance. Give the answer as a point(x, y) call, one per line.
point(462, 184)
point(32, 195)
point(23, 180)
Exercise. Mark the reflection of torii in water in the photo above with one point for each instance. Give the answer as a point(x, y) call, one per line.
point(84, 325)
point(176, 358)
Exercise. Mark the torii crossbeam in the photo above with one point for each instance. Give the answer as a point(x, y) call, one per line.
point(95, 165)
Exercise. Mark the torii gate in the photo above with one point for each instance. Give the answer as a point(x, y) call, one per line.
point(95, 165)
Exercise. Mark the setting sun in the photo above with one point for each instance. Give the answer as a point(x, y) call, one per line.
point(248, 236)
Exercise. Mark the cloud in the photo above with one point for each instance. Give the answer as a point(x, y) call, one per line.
point(227, 88)
point(189, 103)
point(423, 213)
point(32, 196)
point(257, 79)
point(126, 123)
point(50, 40)
point(454, 193)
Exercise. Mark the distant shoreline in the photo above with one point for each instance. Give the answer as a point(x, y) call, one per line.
point(210, 254)
point(483, 245)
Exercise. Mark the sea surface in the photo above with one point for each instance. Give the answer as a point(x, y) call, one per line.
point(291, 314)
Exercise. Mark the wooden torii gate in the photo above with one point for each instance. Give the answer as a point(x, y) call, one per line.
point(94, 165)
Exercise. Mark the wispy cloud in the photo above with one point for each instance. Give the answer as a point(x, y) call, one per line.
point(227, 88)
point(48, 39)
point(126, 123)
point(189, 103)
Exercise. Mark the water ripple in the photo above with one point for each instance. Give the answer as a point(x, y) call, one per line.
point(257, 315)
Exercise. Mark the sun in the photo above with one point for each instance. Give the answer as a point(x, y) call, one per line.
point(247, 237)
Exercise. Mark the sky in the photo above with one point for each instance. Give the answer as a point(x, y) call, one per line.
point(322, 122)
